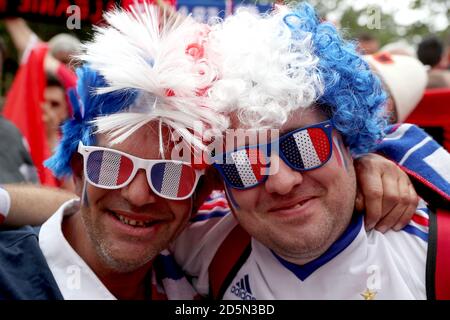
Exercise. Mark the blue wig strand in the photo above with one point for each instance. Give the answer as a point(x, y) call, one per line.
point(87, 105)
point(353, 95)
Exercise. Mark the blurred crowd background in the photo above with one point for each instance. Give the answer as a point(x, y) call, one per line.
point(407, 42)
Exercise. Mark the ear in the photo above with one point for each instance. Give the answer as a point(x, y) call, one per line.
point(76, 163)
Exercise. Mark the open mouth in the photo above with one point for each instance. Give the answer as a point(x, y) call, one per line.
point(134, 223)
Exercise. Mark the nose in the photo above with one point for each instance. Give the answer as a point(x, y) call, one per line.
point(138, 191)
point(282, 178)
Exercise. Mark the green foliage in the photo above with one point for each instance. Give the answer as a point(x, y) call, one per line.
point(354, 21)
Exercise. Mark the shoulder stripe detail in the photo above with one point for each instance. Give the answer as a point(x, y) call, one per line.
point(420, 220)
point(416, 232)
point(418, 226)
point(423, 212)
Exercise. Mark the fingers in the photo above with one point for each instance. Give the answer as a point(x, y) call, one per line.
point(395, 202)
point(409, 211)
point(371, 188)
point(384, 192)
point(399, 205)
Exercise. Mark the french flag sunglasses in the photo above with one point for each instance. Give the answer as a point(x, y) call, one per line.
point(112, 169)
point(303, 149)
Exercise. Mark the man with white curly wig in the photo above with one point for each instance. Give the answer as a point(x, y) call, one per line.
point(143, 72)
point(292, 231)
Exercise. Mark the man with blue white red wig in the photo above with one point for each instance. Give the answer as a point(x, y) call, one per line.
point(294, 232)
point(143, 69)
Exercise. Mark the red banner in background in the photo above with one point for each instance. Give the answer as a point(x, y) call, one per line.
point(24, 109)
point(57, 11)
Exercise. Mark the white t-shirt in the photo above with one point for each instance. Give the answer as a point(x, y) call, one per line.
point(359, 265)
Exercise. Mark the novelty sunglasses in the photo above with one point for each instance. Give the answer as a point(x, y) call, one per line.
point(302, 149)
point(112, 169)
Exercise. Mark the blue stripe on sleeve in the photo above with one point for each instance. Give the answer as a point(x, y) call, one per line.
point(416, 232)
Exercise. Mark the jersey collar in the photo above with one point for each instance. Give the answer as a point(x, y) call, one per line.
point(304, 271)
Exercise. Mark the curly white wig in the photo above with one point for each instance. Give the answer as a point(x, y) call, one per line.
point(267, 70)
point(159, 54)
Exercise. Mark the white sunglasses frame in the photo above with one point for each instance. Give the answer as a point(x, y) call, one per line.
point(138, 163)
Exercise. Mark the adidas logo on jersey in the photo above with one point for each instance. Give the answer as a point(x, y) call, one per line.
point(241, 289)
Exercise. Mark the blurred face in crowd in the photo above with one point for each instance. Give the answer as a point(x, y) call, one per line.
point(128, 227)
point(300, 214)
point(55, 109)
point(368, 46)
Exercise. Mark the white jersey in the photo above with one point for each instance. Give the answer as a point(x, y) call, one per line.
point(359, 265)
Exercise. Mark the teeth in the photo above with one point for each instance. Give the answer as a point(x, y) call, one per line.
point(132, 222)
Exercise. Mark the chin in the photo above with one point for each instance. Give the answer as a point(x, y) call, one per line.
point(303, 238)
point(126, 260)
point(303, 249)
point(126, 264)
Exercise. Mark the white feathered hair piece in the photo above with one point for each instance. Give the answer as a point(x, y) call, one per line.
point(147, 49)
point(266, 73)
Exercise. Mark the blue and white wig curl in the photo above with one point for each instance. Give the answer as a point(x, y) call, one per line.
point(288, 60)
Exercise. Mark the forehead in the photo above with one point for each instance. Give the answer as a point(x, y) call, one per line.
point(144, 143)
point(297, 119)
point(303, 118)
point(54, 91)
